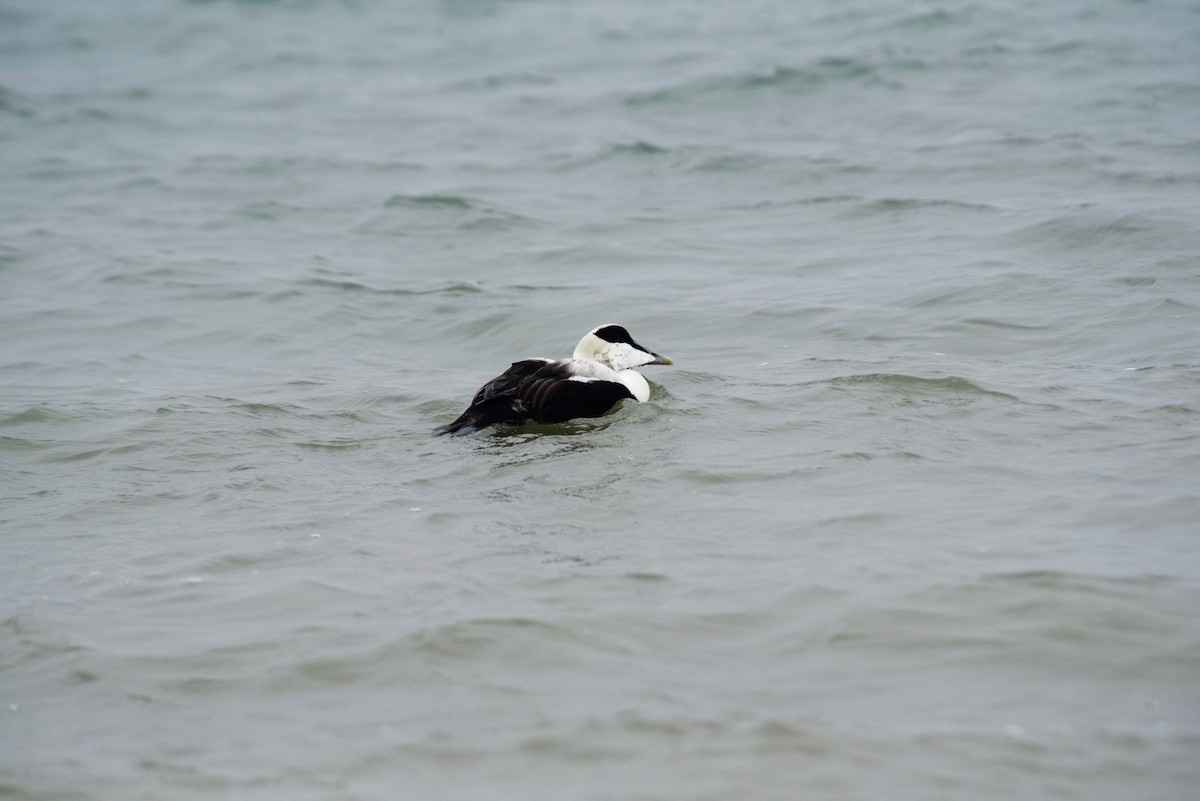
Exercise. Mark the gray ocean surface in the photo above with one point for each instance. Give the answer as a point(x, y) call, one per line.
point(916, 515)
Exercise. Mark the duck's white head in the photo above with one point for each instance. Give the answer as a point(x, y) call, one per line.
point(611, 345)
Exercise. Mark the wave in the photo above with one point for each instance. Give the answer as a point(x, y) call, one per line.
point(1087, 230)
point(348, 285)
point(17, 444)
point(862, 206)
point(404, 212)
point(490, 83)
point(1039, 618)
point(947, 386)
point(34, 415)
point(789, 80)
point(12, 102)
point(429, 201)
point(644, 155)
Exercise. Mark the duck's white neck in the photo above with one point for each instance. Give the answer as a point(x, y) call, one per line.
point(636, 383)
point(632, 379)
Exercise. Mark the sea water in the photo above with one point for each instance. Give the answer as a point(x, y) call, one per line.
point(916, 514)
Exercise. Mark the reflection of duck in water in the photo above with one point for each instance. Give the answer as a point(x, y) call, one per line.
point(597, 376)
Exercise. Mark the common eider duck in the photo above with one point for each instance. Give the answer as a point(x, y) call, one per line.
point(598, 375)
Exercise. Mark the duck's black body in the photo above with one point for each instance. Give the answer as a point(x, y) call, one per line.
point(538, 390)
point(545, 391)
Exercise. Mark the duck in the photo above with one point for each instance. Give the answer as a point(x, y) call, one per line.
point(599, 375)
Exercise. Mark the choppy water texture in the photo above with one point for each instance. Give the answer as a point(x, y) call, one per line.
point(914, 517)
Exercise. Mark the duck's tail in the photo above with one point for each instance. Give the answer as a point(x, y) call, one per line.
point(483, 414)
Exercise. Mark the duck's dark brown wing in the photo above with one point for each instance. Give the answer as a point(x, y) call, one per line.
point(507, 382)
point(535, 389)
point(555, 399)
